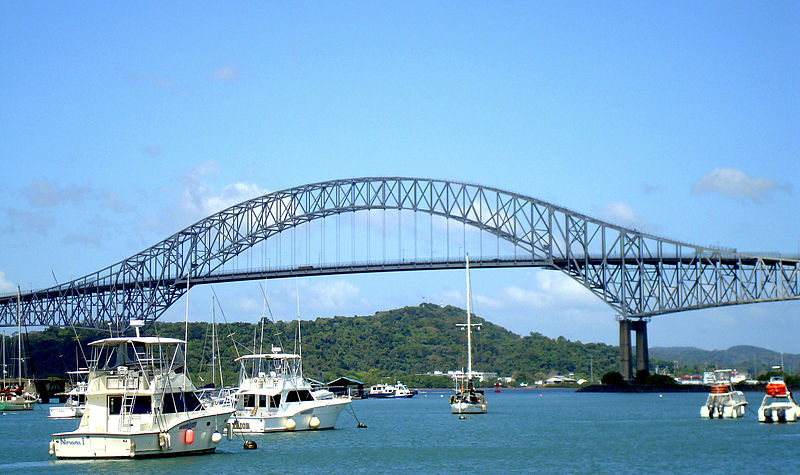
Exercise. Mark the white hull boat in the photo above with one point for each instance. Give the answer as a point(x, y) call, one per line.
point(140, 403)
point(467, 399)
point(389, 391)
point(273, 396)
point(723, 401)
point(75, 404)
point(778, 404)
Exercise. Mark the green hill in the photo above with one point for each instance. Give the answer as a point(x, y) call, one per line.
point(747, 358)
point(394, 344)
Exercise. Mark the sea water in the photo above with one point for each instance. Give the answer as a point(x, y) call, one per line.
point(547, 431)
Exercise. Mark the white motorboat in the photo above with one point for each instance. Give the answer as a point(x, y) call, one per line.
point(75, 405)
point(140, 402)
point(390, 391)
point(467, 399)
point(273, 396)
point(723, 401)
point(778, 404)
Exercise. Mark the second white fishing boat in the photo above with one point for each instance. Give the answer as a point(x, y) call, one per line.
point(273, 396)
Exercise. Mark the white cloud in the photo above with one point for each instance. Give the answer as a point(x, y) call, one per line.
point(619, 212)
point(328, 294)
point(44, 193)
point(226, 73)
point(200, 199)
point(623, 214)
point(735, 184)
point(6, 286)
point(551, 289)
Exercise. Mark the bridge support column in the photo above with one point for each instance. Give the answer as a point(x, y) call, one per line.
point(625, 349)
point(642, 352)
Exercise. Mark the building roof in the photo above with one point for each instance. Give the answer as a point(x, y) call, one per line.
point(345, 381)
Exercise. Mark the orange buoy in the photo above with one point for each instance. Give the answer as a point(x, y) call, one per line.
point(188, 437)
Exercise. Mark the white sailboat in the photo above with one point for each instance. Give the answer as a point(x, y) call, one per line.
point(16, 398)
point(467, 399)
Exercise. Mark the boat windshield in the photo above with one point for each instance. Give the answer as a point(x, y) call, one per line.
point(137, 355)
point(272, 367)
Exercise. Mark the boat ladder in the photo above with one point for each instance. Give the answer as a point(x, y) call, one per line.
point(128, 401)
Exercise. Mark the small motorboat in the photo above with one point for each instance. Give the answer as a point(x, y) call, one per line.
point(389, 391)
point(778, 405)
point(75, 404)
point(723, 401)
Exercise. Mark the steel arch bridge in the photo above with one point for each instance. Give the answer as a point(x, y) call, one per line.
point(637, 274)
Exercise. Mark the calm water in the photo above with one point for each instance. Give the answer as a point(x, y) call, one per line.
point(559, 431)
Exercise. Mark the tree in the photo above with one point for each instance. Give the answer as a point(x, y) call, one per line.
point(613, 378)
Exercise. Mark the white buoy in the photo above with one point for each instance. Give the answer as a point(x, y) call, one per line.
point(290, 424)
point(313, 422)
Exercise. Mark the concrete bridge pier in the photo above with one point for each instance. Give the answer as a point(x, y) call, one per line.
point(625, 354)
point(642, 352)
point(625, 349)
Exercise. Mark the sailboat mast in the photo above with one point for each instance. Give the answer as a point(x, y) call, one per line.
point(4, 360)
point(186, 325)
point(213, 346)
point(469, 329)
point(19, 339)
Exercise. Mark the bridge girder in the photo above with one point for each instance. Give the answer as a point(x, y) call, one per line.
point(637, 274)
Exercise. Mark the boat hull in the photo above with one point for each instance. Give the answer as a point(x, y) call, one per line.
point(302, 419)
point(728, 412)
point(66, 412)
point(724, 405)
point(16, 406)
point(779, 412)
point(467, 408)
point(82, 444)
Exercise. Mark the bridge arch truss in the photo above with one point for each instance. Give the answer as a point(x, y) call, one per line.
point(637, 274)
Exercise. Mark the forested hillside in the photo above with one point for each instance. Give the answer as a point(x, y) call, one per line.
point(394, 344)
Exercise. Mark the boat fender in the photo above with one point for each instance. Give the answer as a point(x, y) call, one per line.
point(216, 437)
point(313, 422)
point(721, 410)
point(188, 436)
point(710, 411)
point(781, 415)
point(52, 450)
point(768, 415)
point(229, 431)
point(164, 440)
point(133, 449)
point(290, 424)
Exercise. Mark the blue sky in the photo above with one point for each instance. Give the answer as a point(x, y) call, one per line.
point(124, 123)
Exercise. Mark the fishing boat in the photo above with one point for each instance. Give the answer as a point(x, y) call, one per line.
point(75, 405)
point(723, 401)
point(466, 399)
point(141, 403)
point(778, 405)
point(273, 396)
point(391, 391)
